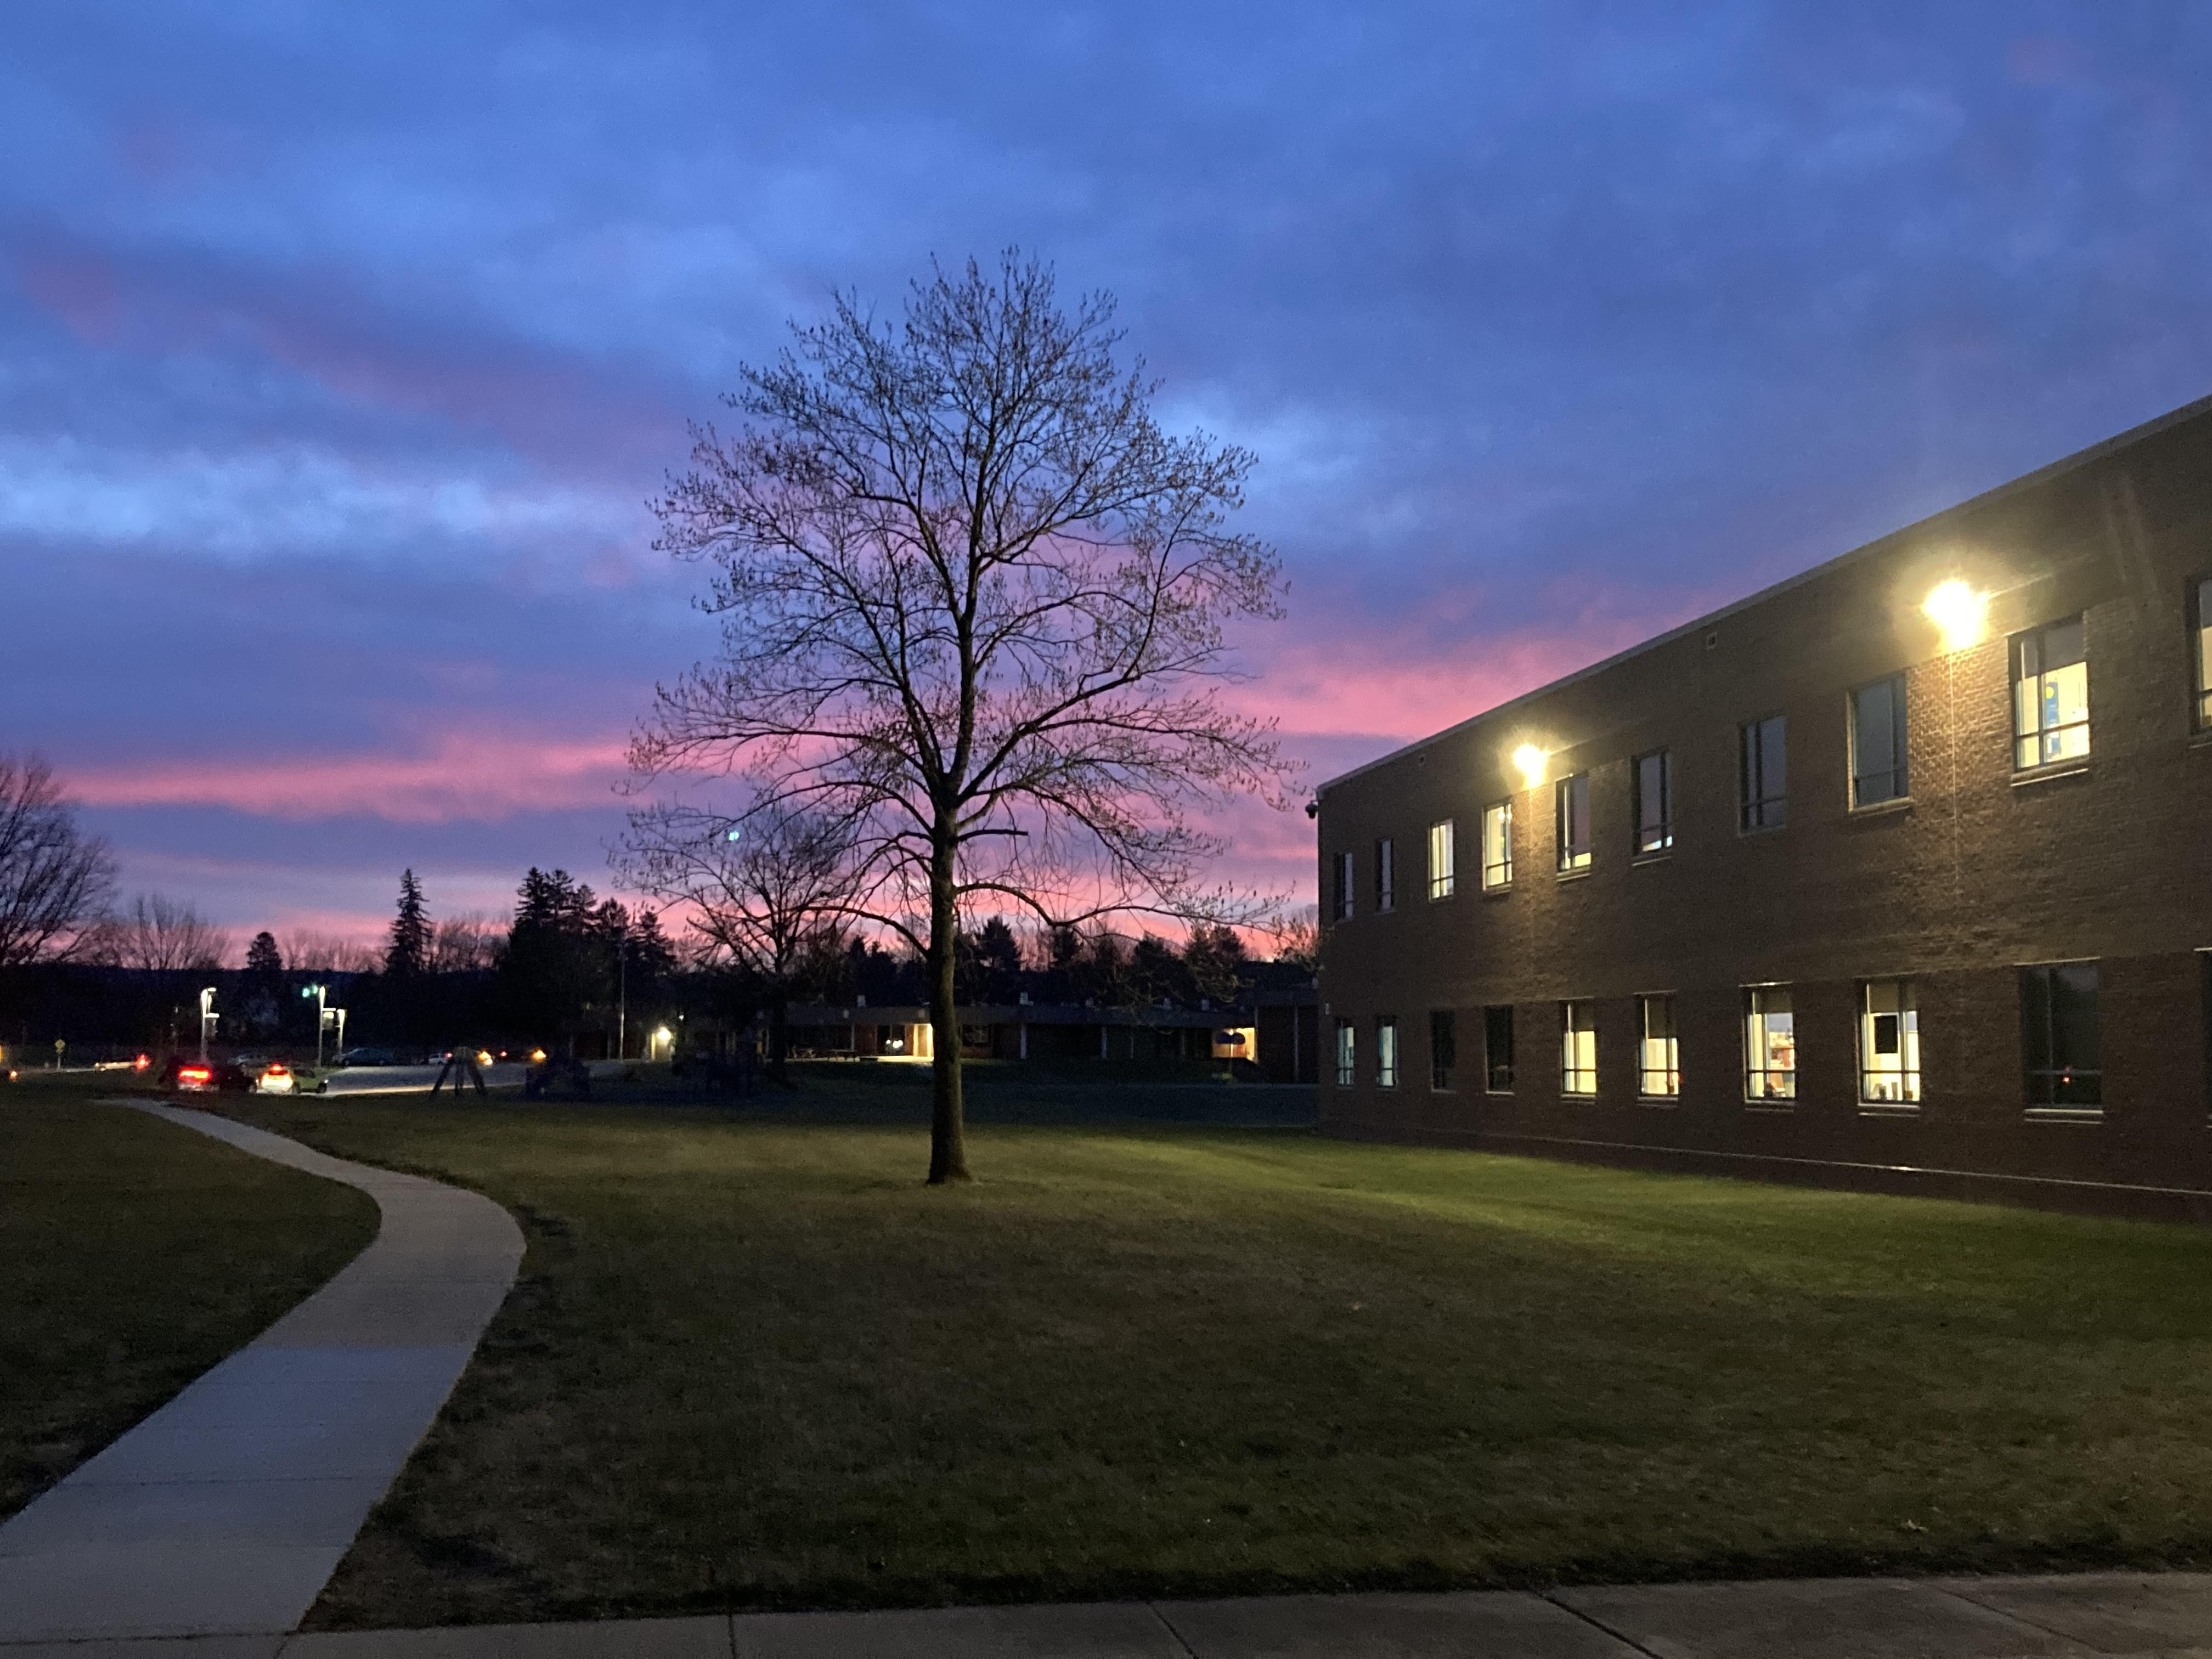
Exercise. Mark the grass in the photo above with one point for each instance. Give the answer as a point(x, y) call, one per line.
point(752, 1362)
point(138, 1254)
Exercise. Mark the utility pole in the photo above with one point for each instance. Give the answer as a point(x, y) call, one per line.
point(208, 1018)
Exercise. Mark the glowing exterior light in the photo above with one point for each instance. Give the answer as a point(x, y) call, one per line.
point(1530, 760)
point(1958, 611)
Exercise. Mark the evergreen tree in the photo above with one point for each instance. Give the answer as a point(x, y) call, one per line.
point(262, 956)
point(408, 955)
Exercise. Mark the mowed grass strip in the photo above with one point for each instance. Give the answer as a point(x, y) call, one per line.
point(137, 1254)
point(759, 1364)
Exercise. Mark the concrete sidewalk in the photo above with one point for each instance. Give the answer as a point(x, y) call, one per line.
point(2168, 1615)
point(226, 1510)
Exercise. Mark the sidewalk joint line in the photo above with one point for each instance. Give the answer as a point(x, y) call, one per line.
point(1596, 1623)
point(1167, 1624)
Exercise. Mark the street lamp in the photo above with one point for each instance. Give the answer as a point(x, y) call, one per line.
point(322, 1017)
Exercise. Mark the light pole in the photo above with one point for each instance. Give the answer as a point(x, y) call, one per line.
point(322, 1018)
point(208, 1018)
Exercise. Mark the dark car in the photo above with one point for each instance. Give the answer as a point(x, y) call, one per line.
point(204, 1077)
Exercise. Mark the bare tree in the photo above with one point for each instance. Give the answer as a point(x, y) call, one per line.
point(159, 935)
point(463, 944)
point(1296, 938)
point(55, 881)
point(764, 896)
point(307, 951)
point(973, 604)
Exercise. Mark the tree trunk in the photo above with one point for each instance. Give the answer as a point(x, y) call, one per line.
point(948, 1137)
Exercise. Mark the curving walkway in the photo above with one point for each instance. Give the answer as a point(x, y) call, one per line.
point(226, 1510)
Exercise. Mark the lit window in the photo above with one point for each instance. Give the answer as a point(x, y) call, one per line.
point(1577, 1048)
point(2205, 652)
point(1386, 877)
point(1659, 1062)
point(1498, 1050)
point(2049, 695)
point(1497, 845)
point(1440, 859)
point(1347, 1054)
point(1766, 773)
point(1574, 822)
point(1386, 1050)
point(1878, 743)
point(2058, 1035)
point(1770, 1044)
point(1344, 879)
point(1889, 1043)
point(1655, 801)
point(1443, 1048)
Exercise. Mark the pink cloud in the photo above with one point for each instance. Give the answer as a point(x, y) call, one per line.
point(477, 777)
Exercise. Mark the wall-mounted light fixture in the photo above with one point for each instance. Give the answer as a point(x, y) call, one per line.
point(1960, 613)
point(1530, 760)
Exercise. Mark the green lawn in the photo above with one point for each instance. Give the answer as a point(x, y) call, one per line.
point(135, 1255)
point(754, 1363)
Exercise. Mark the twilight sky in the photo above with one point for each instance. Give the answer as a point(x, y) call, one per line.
point(339, 348)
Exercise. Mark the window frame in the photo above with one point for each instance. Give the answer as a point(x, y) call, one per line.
point(2017, 648)
point(1348, 878)
point(1758, 813)
point(1900, 769)
point(1386, 876)
point(1570, 1070)
point(1752, 1017)
point(1646, 847)
point(1911, 1088)
point(1565, 819)
point(1502, 811)
point(1347, 1053)
point(1444, 859)
point(1497, 1017)
point(1670, 1072)
point(1387, 1061)
point(2200, 649)
point(2047, 974)
point(1444, 1051)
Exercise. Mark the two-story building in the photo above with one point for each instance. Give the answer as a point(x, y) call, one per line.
point(1898, 873)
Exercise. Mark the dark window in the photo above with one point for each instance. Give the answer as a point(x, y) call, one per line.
point(1344, 878)
point(2050, 694)
point(2058, 1035)
point(2205, 652)
point(1443, 1048)
point(1766, 773)
point(1655, 801)
point(1498, 1050)
point(1878, 743)
point(1386, 877)
point(2204, 998)
point(1574, 822)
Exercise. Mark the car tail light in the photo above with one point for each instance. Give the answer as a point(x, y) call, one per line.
point(194, 1074)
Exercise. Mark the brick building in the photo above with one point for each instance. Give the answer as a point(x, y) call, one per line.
point(1898, 873)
